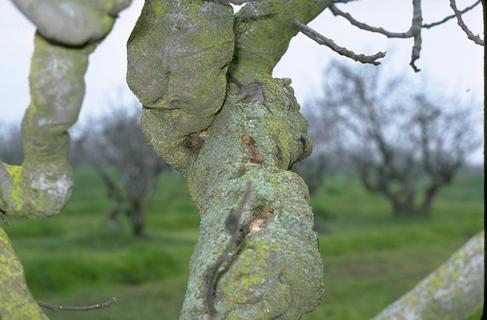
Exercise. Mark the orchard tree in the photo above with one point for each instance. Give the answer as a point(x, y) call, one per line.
point(214, 112)
point(116, 142)
point(403, 144)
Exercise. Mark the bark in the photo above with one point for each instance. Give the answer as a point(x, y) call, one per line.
point(42, 185)
point(16, 302)
point(222, 134)
point(453, 291)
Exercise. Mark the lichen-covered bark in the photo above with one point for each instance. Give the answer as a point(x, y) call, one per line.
point(16, 303)
point(178, 55)
point(453, 291)
point(277, 271)
point(42, 185)
point(223, 128)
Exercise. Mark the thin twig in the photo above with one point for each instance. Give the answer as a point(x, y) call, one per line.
point(321, 39)
point(448, 18)
point(461, 23)
point(56, 308)
point(366, 27)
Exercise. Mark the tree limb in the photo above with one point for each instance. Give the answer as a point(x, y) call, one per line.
point(453, 291)
point(461, 23)
point(413, 32)
point(416, 31)
point(320, 39)
point(390, 34)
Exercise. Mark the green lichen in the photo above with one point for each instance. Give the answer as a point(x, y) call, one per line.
point(16, 302)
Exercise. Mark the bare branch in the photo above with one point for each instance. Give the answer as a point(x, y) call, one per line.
point(366, 27)
point(413, 32)
point(317, 37)
point(416, 31)
point(461, 23)
point(448, 18)
point(56, 308)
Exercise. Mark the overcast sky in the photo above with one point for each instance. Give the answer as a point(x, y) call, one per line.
point(450, 61)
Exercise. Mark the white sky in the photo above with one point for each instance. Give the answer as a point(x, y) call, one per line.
point(450, 61)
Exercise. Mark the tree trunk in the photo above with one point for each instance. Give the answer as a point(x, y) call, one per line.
point(425, 208)
point(178, 68)
point(277, 271)
point(135, 215)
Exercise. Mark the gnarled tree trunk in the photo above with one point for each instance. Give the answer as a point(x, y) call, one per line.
point(224, 126)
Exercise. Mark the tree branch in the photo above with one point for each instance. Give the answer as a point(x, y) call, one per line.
point(320, 39)
point(454, 290)
point(461, 23)
point(416, 31)
point(413, 32)
point(56, 307)
point(448, 18)
point(366, 27)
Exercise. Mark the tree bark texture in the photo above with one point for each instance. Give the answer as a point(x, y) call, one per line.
point(213, 111)
point(16, 302)
point(453, 291)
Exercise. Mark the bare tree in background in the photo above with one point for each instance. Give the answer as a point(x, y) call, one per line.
point(403, 145)
point(327, 156)
point(115, 141)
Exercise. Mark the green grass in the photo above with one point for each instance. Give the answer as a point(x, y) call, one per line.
point(370, 257)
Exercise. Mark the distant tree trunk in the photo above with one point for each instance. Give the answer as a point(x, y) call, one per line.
point(424, 208)
point(135, 214)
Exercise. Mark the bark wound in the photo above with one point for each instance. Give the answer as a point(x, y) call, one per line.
point(196, 140)
point(259, 223)
point(250, 144)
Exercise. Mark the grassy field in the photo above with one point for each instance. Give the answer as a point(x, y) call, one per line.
point(370, 257)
